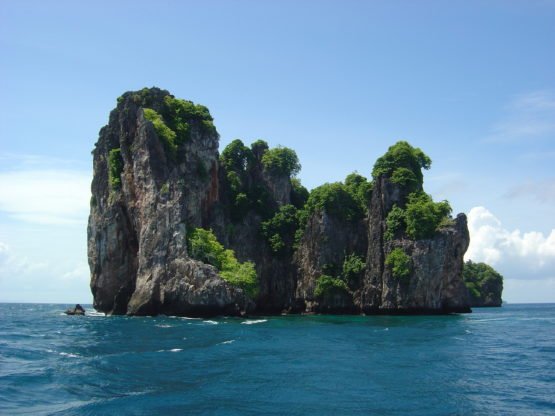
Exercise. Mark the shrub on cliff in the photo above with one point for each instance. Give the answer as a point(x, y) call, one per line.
point(360, 188)
point(327, 285)
point(115, 168)
point(280, 230)
point(353, 268)
point(281, 161)
point(423, 216)
point(420, 219)
point(236, 157)
point(336, 200)
point(204, 246)
point(166, 134)
point(299, 194)
point(399, 263)
point(400, 161)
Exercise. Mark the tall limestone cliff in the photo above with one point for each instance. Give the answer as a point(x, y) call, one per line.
point(150, 183)
point(352, 247)
point(433, 278)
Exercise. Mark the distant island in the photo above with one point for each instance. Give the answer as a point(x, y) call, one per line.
point(176, 228)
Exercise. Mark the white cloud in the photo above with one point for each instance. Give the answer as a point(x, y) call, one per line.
point(34, 279)
point(516, 255)
point(528, 116)
point(46, 196)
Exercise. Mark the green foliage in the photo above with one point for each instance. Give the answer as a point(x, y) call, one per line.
point(299, 194)
point(242, 275)
point(483, 281)
point(236, 157)
point(402, 155)
point(423, 216)
point(204, 246)
point(336, 200)
point(394, 222)
point(172, 121)
point(399, 263)
point(280, 229)
point(179, 113)
point(406, 178)
point(353, 267)
point(165, 189)
point(327, 285)
point(281, 161)
point(115, 168)
point(166, 134)
point(360, 188)
point(142, 98)
point(258, 149)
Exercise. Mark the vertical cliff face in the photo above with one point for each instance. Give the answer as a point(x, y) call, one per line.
point(326, 242)
point(158, 175)
point(148, 187)
point(434, 267)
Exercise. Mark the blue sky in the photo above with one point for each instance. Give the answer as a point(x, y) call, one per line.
point(470, 82)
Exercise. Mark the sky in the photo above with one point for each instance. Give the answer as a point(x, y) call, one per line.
point(472, 83)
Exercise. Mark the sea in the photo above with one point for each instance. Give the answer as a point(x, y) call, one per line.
point(495, 361)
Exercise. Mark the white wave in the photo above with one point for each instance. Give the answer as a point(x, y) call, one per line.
point(95, 313)
point(187, 318)
point(231, 341)
point(164, 326)
point(210, 322)
point(254, 321)
point(176, 349)
point(68, 354)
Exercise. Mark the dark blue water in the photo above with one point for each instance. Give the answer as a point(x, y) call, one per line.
point(493, 362)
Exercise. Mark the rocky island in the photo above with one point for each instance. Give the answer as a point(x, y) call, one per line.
point(176, 228)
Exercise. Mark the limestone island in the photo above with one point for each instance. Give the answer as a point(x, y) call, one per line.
point(176, 228)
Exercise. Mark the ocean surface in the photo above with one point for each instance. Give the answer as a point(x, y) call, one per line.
point(498, 361)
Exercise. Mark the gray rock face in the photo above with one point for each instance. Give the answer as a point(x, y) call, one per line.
point(322, 250)
point(137, 234)
point(435, 283)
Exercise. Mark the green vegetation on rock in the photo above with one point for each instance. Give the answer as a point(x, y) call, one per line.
point(173, 120)
point(115, 168)
point(423, 216)
point(353, 268)
point(420, 219)
point(246, 191)
point(281, 161)
point(360, 188)
point(327, 285)
point(399, 263)
point(404, 164)
point(394, 223)
point(280, 229)
point(204, 246)
point(484, 284)
point(299, 194)
point(166, 134)
point(336, 200)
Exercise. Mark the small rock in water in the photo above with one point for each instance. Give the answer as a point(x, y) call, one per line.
point(77, 310)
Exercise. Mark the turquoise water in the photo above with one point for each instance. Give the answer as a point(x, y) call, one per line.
point(493, 362)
